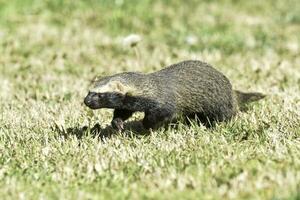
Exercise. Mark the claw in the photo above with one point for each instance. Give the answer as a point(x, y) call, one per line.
point(118, 124)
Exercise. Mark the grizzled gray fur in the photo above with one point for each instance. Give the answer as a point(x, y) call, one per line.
point(191, 88)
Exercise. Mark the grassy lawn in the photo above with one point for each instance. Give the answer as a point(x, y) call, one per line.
point(53, 147)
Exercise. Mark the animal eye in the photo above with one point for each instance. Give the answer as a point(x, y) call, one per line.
point(100, 95)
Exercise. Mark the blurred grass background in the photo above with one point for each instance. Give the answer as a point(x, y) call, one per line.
point(50, 50)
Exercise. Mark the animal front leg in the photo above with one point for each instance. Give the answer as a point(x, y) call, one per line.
point(120, 115)
point(155, 118)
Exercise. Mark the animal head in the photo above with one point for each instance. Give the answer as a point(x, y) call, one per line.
point(109, 92)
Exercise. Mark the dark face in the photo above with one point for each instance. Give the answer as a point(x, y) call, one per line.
point(103, 100)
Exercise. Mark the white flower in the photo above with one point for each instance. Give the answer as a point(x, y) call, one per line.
point(131, 40)
point(119, 2)
point(191, 39)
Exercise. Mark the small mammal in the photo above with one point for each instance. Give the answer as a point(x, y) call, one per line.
point(190, 88)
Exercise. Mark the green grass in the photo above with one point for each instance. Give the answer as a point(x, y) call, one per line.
point(50, 148)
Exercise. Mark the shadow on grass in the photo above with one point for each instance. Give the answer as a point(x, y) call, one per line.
point(130, 128)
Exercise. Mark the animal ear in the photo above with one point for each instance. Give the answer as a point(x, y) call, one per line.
point(129, 94)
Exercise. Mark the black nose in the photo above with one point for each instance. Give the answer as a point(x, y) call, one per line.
point(89, 97)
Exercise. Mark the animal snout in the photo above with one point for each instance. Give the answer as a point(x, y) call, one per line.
point(91, 97)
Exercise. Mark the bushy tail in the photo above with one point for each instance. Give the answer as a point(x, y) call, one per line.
point(244, 98)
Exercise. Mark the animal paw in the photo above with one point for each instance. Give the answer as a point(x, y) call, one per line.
point(118, 124)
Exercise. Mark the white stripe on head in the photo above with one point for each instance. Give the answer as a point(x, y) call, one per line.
point(112, 86)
